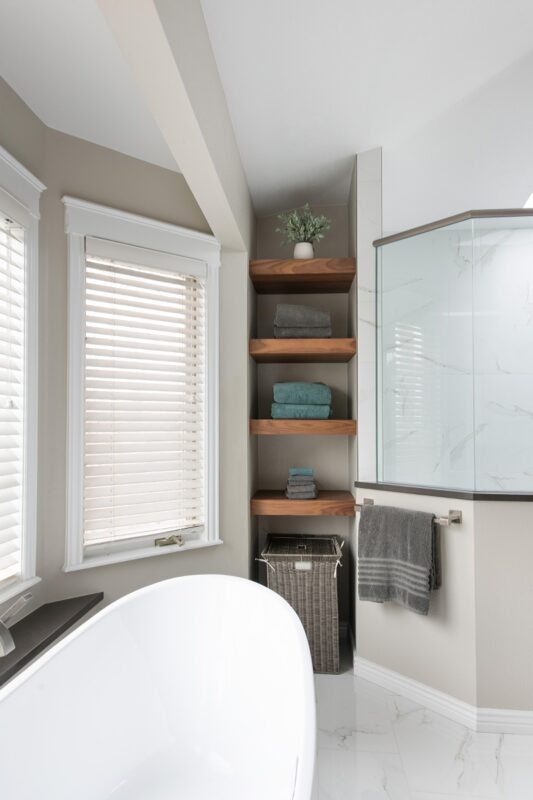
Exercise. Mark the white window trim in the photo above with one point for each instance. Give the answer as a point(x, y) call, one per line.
point(20, 194)
point(90, 219)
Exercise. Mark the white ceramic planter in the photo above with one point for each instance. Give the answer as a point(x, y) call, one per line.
point(303, 250)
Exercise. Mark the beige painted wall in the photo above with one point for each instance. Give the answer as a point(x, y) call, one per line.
point(477, 642)
point(352, 388)
point(71, 166)
point(504, 603)
point(183, 91)
point(186, 32)
point(369, 228)
point(440, 649)
point(21, 132)
point(334, 244)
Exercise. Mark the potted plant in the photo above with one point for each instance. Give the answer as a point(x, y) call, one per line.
point(302, 228)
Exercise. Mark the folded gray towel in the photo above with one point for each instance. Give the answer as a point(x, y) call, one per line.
point(296, 485)
point(301, 489)
point(290, 315)
point(300, 482)
point(301, 495)
point(302, 333)
point(398, 556)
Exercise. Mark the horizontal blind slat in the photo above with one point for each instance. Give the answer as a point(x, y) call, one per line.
point(115, 323)
point(163, 489)
point(104, 535)
point(156, 291)
point(129, 355)
point(149, 521)
point(9, 569)
point(138, 481)
point(144, 400)
point(139, 432)
point(12, 365)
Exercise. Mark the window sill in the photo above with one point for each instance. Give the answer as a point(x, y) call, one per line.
point(133, 555)
point(17, 588)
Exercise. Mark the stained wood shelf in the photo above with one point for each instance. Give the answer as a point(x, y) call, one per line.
point(303, 427)
point(291, 276)
point(327, 504)
point(302, 351)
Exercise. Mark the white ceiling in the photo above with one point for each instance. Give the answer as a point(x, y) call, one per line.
point(310, 82)
point(61, 59)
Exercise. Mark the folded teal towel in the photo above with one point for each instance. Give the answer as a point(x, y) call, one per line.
point(307, 471)
point(300, 392)
point(299, 411)
point(303, 496)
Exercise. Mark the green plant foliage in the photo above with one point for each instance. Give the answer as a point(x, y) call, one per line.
point(301, 225)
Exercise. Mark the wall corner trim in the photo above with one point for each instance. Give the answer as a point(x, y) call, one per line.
point(481, 720)
point(20, 183)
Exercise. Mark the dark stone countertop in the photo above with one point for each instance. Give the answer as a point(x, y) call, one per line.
point(41, 628)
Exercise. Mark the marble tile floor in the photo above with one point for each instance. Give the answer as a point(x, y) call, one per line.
point(374, 745)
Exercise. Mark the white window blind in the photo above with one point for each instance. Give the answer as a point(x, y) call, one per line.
point(12, 368)
point(145, 404)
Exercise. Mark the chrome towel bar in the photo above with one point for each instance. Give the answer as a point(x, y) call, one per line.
point(454, 517)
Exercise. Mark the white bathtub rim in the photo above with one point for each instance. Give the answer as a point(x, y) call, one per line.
point(303, 776)
point(26, 672)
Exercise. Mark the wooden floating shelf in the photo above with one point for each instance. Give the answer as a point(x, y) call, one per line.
point(302, 351)
point(327, 504)
point(303, 427)
point(295, 276)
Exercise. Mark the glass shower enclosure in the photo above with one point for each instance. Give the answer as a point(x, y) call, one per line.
point(455, 354)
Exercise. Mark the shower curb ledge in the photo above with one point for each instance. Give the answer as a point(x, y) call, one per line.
point(503, 497)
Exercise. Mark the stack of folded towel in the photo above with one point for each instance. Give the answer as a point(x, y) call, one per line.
point(301, 484)
point(301, 400)
point(301, 322)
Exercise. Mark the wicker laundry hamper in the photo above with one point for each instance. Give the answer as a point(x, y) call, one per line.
point(303, 570)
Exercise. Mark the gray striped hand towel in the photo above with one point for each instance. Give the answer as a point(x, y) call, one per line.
point(398, 556)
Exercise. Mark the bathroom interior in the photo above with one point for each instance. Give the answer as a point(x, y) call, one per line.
point(266, 443)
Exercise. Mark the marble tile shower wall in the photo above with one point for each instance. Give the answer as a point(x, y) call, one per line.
point(503, 356)
point(455, 358)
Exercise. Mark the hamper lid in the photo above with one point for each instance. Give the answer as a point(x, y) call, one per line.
point(295, 546)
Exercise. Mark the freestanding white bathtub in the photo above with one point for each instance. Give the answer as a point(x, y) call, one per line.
point(196, 688)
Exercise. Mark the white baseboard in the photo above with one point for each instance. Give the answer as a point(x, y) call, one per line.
point(501, 720)
point(483, 720)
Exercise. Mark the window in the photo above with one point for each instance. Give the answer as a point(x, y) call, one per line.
point(142, 438)
point(19, 214)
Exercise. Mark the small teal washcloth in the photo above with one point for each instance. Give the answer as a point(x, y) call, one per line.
point(307, 471)
point(301, 392)
point(299, 411)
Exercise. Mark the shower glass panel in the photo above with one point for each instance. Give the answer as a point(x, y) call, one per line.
point(455, 356)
